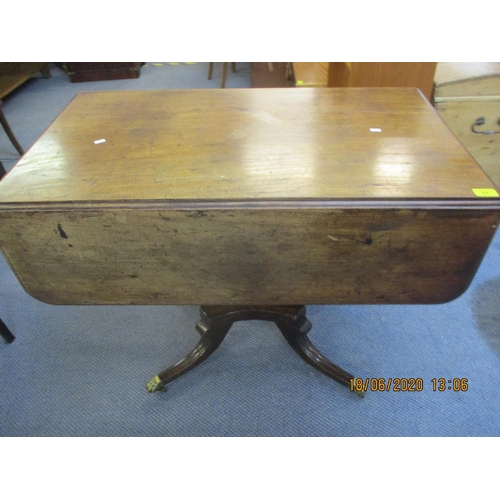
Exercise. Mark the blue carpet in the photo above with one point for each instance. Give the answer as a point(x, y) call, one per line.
point(81, 371)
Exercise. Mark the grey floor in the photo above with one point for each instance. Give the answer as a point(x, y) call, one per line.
point(81, 371)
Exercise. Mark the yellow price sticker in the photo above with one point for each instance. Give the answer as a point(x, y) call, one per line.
point(486, 193)
point(157, 64)
point(174, 64)
point(300, 82)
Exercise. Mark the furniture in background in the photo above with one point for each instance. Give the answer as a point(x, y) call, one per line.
point(269, 75)
point(311, 74)
point(366, 74)
point(97, 71)
point(224, 72)
point(467, 97)
point(12, 75)
point(5, 333)
point(262, 201)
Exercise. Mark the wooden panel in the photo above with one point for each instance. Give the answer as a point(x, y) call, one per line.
point(384, 74)
point(485, 148)
point(339, 74)
point(269, 75)
point(241, 256)
point(459, 80)
point(311, 74)
point(245, 144)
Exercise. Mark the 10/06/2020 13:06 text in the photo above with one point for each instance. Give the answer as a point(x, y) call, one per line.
point(408, 384)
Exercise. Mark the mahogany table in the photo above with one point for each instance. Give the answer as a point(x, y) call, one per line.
point(232, 198)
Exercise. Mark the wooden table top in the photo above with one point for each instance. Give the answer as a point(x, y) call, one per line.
point(245, 144)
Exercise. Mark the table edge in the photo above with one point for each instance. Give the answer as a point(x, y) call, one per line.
point(262, 204)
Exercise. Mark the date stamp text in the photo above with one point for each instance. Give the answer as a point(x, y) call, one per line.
point(408, 384)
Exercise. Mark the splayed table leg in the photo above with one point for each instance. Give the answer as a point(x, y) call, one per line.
point(217, 320)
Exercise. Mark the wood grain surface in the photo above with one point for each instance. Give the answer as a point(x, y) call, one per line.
point(243, 256)
point(461, 115)
point(311, 74)
point(462, 80)
point(383, 74)
point(254, 196)
point(13, 74)
point(245, 144)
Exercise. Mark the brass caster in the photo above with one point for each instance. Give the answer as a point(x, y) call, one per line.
point(361, 394)
point(155, 385)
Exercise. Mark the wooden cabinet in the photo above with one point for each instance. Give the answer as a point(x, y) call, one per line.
point(95, 71)
point(467, 97)
point(309, 74)
point(366, 74)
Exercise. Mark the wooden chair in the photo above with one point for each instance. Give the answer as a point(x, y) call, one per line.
point(12, 75)
point(9, 132)
point(224, 72)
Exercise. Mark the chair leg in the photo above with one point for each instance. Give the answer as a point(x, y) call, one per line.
point(8, 131)
point(210, 69)
point(5, 333)
point(224, 74)
point(46, 72)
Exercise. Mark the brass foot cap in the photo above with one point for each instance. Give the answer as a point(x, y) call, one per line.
point(155, 384)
